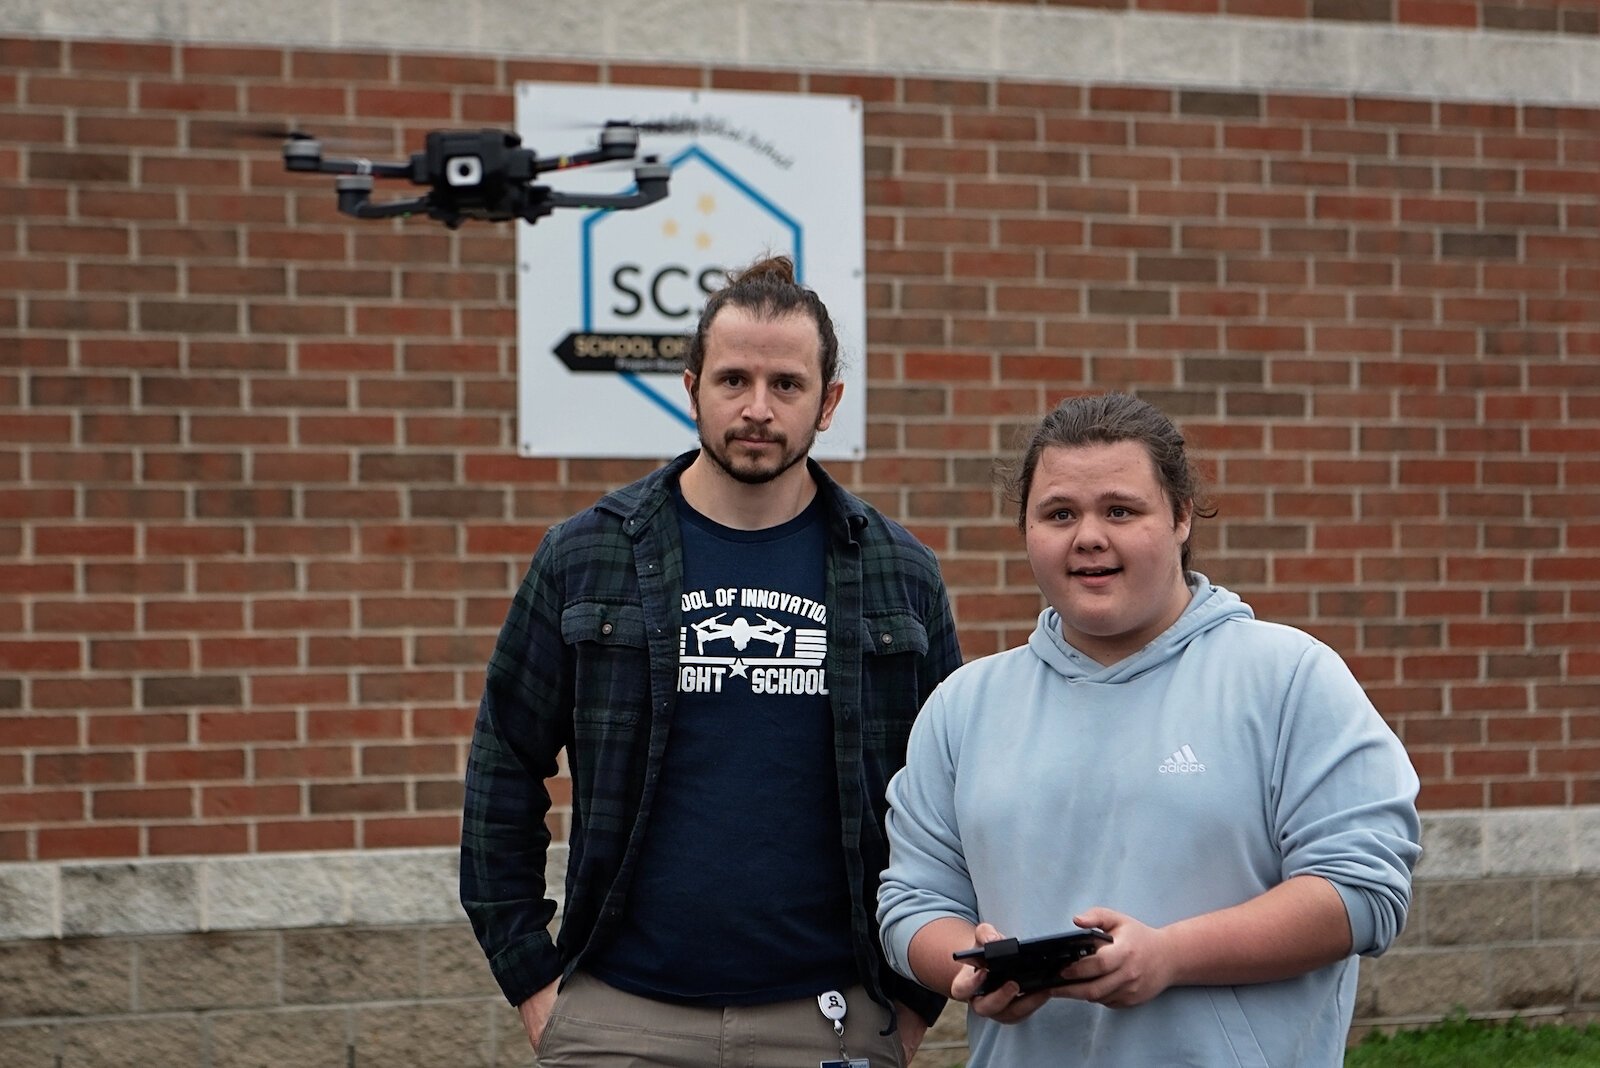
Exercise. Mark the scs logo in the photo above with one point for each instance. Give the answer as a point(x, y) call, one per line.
point(673, 291)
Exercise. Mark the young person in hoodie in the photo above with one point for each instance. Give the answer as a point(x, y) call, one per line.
point(1215, 792)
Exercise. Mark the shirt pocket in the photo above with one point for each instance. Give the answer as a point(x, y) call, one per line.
point(611, 683)
point(889, 633)
point(894, 647)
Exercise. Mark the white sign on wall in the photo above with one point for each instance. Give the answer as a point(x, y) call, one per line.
point(602, 294)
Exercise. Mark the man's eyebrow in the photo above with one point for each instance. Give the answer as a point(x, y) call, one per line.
point(771, 372)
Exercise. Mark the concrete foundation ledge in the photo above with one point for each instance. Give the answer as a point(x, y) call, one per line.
point(365, 957)
point(72, 899)
point(1473, 844)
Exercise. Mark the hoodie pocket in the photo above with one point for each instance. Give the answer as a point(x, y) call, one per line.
point(1236, 1027)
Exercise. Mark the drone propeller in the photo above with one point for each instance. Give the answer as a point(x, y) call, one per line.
point(274, 133)
point(672, 126)
point(280, 133)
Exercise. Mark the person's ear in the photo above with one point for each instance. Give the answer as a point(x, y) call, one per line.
point(830, 402)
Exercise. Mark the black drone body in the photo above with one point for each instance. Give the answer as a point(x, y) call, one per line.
point(480, 174)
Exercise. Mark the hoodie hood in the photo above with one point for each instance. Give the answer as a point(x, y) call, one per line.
point(1209, 606)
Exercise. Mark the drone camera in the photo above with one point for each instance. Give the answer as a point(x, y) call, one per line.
point(463, 170)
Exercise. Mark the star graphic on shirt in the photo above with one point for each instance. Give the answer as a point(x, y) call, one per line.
point(737, 670)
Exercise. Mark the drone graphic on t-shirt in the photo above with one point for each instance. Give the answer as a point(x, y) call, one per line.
point(743, 641)
point(740, 631)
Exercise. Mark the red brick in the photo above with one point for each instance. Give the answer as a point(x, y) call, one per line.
point(411, 832)
point(121, 56)
point(443, 722)
point(145, 728)
point(233, 802)
point(641, 74)
point(299, 835)
point(141, 804)
point(194, 541)
point(41, 806)
point(57, 843)
point(204, 839)
point(248, 652)
point(431, 649)
point(193, 465)
point(20, 732)
point(328, 798)
point(40, 656)
point(83, 541)
point(51, 769)
point(359, 723)
point(256, 576)
point(1576, 697)
point(1527, 729)
point(79, 694)
point(1441, 667)
point(411, 760)
point(1519, 792)
point(149, 654)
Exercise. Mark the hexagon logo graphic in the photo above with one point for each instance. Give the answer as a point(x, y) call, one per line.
point(708, 222)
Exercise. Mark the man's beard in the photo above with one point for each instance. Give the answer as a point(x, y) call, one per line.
point(755, 472)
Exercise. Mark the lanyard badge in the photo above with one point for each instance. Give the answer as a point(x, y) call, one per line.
point(831, 1004)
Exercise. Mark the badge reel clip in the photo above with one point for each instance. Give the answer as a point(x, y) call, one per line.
point(831, 1004)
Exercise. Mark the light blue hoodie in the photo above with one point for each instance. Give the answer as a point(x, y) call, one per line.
point(1223, 758)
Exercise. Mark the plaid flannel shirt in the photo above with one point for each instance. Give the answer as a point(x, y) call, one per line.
point(587, 661)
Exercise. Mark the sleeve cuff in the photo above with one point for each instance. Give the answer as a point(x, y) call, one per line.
point(526, 968)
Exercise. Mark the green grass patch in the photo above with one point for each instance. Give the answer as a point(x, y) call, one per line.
point(1462, 1043)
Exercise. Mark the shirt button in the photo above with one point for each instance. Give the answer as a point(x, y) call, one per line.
point(606, 628)
point(888, 639)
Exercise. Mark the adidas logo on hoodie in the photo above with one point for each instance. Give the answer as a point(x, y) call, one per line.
point(1183, 762)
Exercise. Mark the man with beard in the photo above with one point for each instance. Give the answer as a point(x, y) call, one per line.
point(731, 652)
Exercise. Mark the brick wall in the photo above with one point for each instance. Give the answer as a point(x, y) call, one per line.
point(261, 509)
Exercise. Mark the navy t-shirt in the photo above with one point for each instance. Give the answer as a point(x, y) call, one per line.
point(740, 895)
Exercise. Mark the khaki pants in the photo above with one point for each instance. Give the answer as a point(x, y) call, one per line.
point(597, 1026)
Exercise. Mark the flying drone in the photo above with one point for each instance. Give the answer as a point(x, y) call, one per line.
point(480, 174)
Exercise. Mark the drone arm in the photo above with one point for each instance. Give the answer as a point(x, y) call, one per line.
point(651, 179)
point(603, 154)
point(362, 167)
point(306, 155)
point(602, 200)
point(617, 141)
point(355, 192)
